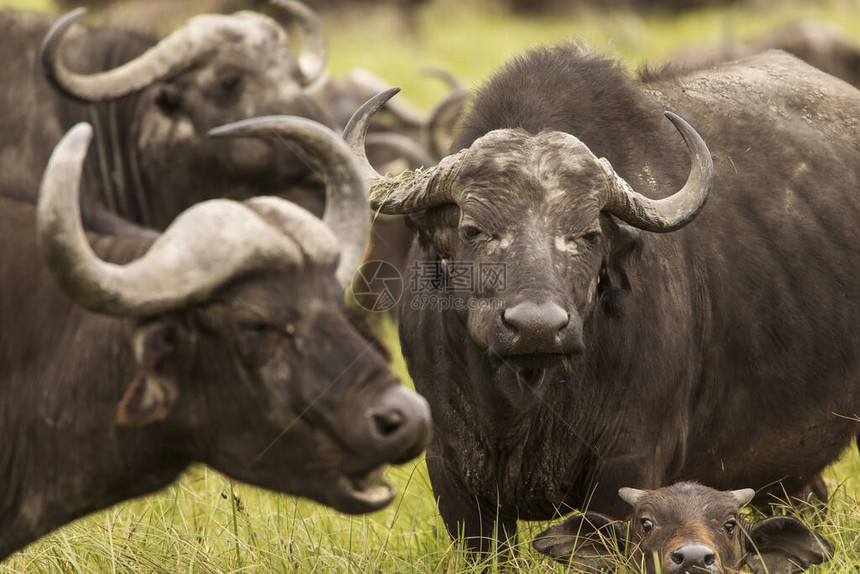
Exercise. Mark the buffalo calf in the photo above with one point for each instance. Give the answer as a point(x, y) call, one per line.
point(686, 527)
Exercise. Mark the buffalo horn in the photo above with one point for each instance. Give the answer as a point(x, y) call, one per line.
point(443, 121)
point(346, 209)
point(173, 53)
point(416, 189)
point(675, 211)
point(207, 246)
point(312, 59)
point(742, 496)
point(631, 495)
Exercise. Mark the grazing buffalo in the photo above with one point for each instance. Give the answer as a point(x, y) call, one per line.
point(221, 340)
point(686, 527)
point(821, 44)
point(581, 319)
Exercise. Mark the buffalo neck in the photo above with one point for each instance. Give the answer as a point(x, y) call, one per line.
point(63, 372)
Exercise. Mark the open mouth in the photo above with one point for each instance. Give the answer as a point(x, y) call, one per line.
point(364, 492)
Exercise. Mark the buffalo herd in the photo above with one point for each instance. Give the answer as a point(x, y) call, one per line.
point(643, 287)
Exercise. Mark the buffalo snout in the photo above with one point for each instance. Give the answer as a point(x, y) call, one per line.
point(531, 328)
point(691, 558)
point(398, 426)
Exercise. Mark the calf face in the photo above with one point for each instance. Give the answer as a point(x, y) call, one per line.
point(682, 528)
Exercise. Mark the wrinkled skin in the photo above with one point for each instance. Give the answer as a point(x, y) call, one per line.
point(686, 527)
point(724, 352)
point(265, 381)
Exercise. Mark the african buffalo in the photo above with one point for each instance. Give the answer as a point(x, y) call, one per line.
point(151, 103)
point(685, 527)
point(622, 340)
point(222, 340)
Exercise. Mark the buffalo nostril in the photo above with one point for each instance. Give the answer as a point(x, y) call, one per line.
point(693, 556)
point(388, 423)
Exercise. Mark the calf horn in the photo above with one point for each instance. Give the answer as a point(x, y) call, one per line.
point(171, 55)
point(670, 213)
point(207, 246)
point(346, 211)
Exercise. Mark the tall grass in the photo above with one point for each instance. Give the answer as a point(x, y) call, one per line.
point(207, 523)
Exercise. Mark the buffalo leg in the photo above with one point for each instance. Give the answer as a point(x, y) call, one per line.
point(482, 529)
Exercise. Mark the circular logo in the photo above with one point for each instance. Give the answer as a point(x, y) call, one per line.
point(377, 286)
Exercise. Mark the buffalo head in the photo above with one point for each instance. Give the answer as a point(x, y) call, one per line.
point(215, 69)
point(236, 324)
point(543, 207)
point(685, 528)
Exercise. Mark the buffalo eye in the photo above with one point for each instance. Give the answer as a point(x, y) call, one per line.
point(256, 328)
point(230, 82)
point(729, 527)
point(471, 233)
point(647, 525)
point(591, 236)
point(168, 100)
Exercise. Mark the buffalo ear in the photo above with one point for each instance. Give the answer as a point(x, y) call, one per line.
point(154, 390)
point(589, 541)
point(783, 544)
point(624, 247)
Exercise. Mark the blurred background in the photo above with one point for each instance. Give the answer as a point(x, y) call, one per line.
point(398, 39)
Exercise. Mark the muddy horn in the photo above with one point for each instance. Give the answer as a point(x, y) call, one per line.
point(417, 189)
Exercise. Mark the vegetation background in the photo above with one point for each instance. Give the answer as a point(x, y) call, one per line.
point(208, 523)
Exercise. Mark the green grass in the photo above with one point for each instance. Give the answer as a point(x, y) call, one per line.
point(206, 523)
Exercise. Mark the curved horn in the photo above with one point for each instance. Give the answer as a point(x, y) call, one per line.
point(416, 190)
point(443, 121)
point(446, 76)
point(312, 59)
point(631, 495)
point(173, 53)
point(675, 211)
point(346, 214)
point(204, 248)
